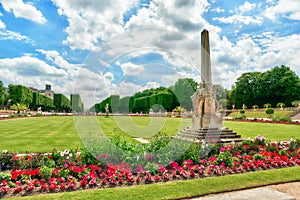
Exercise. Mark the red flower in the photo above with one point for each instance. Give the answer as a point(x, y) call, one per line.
point(44, 186)
point(62, 186)
point(16, 157)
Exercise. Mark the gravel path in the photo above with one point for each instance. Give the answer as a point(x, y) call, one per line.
point(292, 189)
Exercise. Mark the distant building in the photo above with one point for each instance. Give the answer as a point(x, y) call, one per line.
point(47, 92)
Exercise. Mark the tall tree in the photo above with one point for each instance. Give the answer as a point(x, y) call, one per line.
point(245, 89)
point(183, 90)
point(2, 92)
point(20, 94)
point(280, 84)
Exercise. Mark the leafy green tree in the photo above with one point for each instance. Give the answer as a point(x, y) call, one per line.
point(220, 92)
point(295, 103)
point(224, 103)
point(183, 90)
point(20, 94)
point(76, 103)
point(2, 93)
point(61, 103)
point(280, 84)
point(245, 90)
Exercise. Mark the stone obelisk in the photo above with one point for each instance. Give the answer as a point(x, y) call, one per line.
point(205, 58)
point(204, 100)
point(207, 122)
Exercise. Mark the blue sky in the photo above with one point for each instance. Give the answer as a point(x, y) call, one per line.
point(99, 48)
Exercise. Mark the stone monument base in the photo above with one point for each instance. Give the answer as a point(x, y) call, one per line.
point(211, 135)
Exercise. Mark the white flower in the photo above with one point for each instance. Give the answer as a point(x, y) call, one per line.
point(5, 151)
point(70, 155)
point(62, 154)
point(66, 151)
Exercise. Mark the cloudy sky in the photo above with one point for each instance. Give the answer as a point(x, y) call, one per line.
point(99, 48)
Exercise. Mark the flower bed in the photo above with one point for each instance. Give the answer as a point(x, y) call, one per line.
point(71, 170)
point(264, 121)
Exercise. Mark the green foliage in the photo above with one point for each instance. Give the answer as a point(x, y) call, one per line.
point(220, 92)
point(46, 172)
point(18, 107)
point(76, 103)
point(280, 84)
point(178, 109)
point(61, 102)
point(184, 89)
point(20, 94)
point(270, 111)
point(42, 101)
point(124, 105)
point(151, 167)
point(226, 158)
point(5, 176)
point(258, 157)
point(224, 103)
point(242, 112)
point(267, 105)
point(295, 103)
point(2, 92)
point(280, 105)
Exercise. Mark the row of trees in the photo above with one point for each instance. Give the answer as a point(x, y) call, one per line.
point(161, 98)
point(280, 84)
point(279, 87)
point(24, 96)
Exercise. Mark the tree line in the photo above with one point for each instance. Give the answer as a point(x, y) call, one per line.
point(22, 95)
point(278, 86)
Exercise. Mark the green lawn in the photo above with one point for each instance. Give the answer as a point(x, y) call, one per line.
point(181, 189)
point(41, 134)
point(269, 130)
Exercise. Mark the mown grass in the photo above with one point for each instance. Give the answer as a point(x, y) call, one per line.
point(181, 189)
point(274, 132)
point(41, 134)
point(261, 114)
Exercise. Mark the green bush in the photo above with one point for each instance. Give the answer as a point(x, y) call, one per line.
point(258, 157)
point(226, 158)
point(242, 112)
point(46, 172)
point(5, 176)
point(151, 167)
point(269, 111)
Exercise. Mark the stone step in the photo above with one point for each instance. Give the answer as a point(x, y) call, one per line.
point(209, 136)
point(223, 135)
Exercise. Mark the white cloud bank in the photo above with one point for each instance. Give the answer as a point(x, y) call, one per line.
point(23, 10)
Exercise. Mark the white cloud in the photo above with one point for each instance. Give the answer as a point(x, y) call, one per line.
point(30, 71)
point(246, 7)
point(11, 35)
point(23, 10)
point(218, 10)
point(287, 8)
point(2, 25)
point(91, 21)
point(132, 69)
point(56, 59)
point(240, 19)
